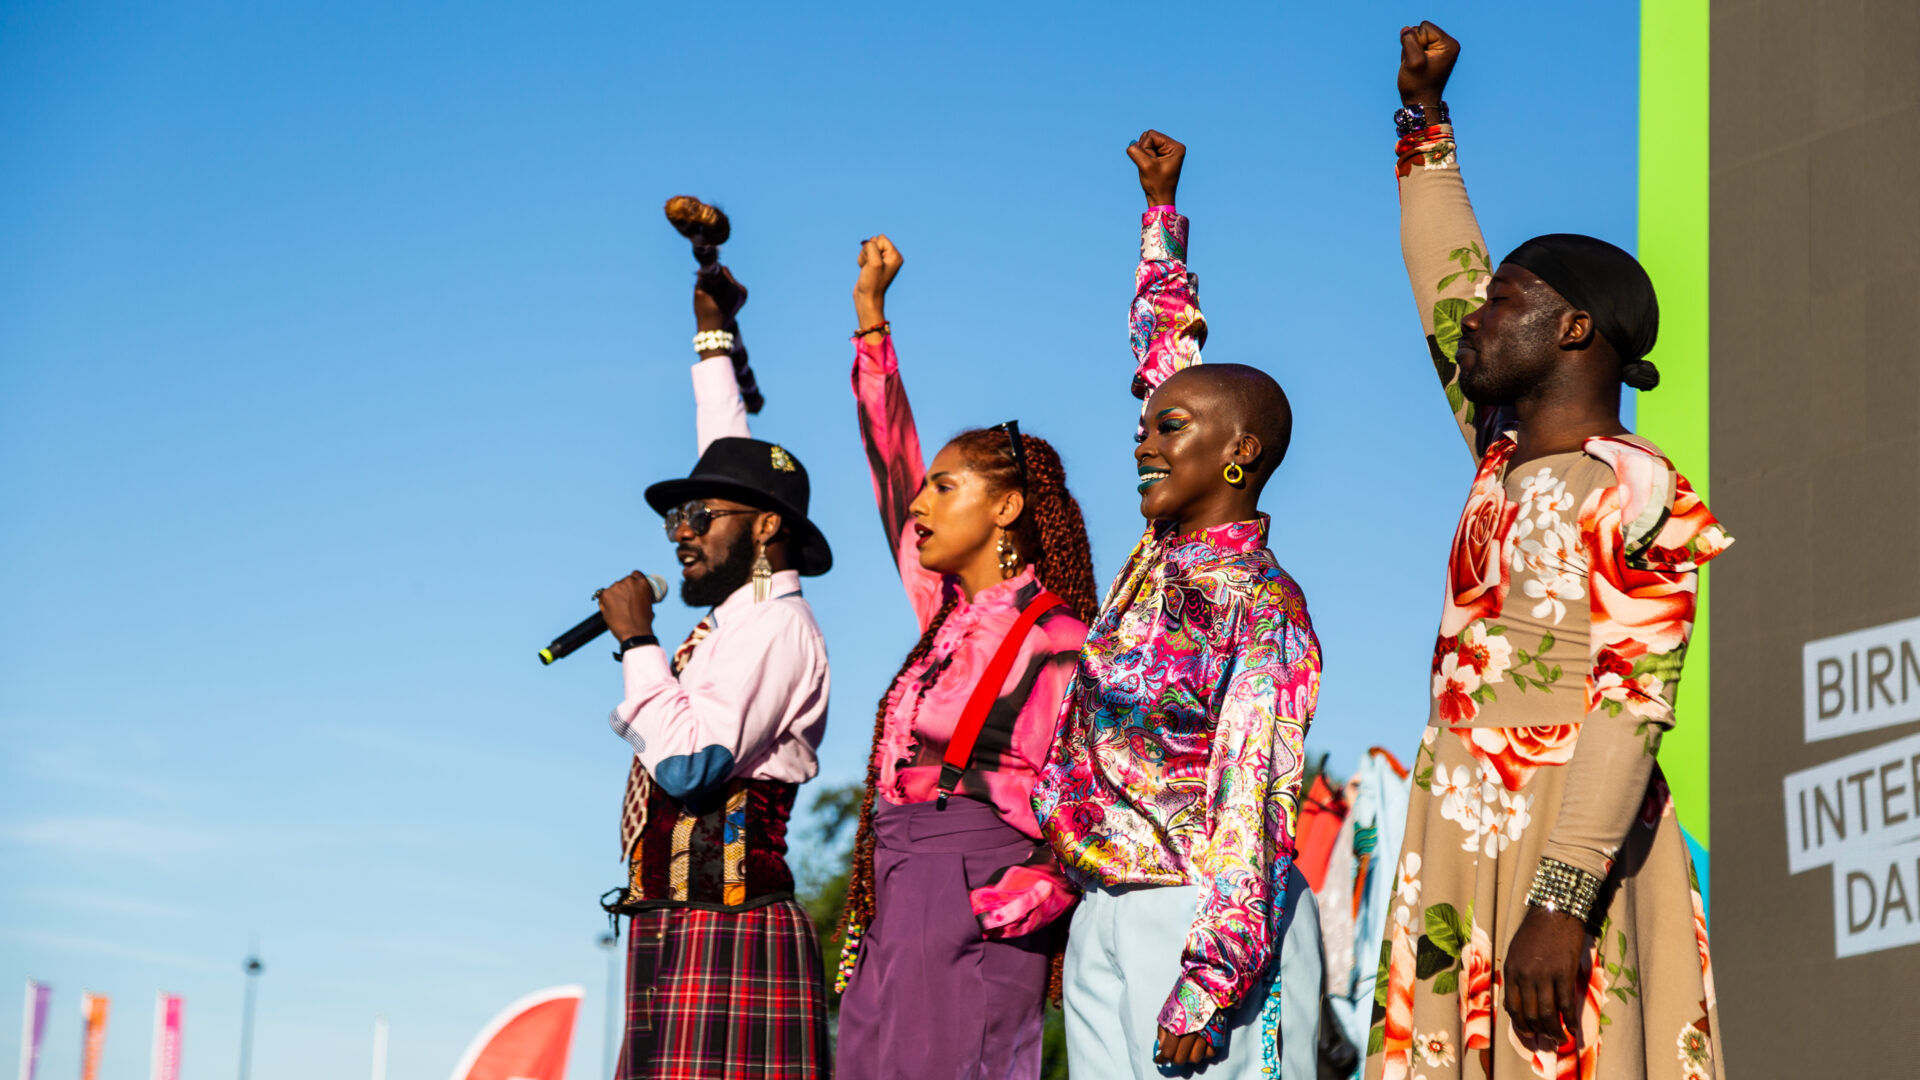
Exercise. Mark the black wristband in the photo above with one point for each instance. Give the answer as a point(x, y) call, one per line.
point(635, 642)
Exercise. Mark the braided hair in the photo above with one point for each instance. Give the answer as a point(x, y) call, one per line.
point(1051, 534)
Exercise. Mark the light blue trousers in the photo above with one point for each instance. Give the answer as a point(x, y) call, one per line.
point(1123, 957)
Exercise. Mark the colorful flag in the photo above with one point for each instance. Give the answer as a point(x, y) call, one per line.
point(33, 1025)
point(529, 1040)
point(166, 1036)
point(93, 1033)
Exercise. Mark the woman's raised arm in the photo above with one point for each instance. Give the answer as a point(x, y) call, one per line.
point(886, 423)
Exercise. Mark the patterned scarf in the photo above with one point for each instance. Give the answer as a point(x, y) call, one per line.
point(633, 811)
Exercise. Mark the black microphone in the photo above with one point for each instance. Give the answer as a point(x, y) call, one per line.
point(593, 626)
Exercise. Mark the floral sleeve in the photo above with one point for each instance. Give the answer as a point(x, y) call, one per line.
point(1164, 324)
point(1447, 264)
point(1259, 759)
point(1645, 538)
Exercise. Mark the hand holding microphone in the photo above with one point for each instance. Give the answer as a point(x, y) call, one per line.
point(626, 608)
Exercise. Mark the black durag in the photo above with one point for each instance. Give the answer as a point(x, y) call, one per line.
point(1608, 284)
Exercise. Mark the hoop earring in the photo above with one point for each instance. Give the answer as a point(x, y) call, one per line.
point(1234, 474)
point(762, 572)
point(1009, 557)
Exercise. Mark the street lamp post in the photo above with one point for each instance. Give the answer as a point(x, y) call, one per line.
point(253, 968)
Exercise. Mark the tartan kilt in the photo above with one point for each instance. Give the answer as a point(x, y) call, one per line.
point(715, 995)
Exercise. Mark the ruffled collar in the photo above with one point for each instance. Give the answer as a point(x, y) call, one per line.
point(1008, 595)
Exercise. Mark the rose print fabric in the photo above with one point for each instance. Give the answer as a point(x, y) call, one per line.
point(1569, 597)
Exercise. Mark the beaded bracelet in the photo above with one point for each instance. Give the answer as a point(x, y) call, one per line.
point(1416, 118)
point(849, 957)
point(710, 340)
point(882, 327)
point(1563, 888)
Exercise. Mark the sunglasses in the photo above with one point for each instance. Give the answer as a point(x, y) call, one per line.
point(1015, 446)
point(696, 517)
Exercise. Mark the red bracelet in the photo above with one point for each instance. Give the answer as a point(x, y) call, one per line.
point(882, 327)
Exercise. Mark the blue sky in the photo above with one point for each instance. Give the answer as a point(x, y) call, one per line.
point(338, 341)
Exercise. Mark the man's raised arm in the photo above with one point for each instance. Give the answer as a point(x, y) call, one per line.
point(1447, 259)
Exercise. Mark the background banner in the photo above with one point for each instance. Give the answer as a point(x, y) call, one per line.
point(33, 1025)
point(93, 1033)
point(166, 1036)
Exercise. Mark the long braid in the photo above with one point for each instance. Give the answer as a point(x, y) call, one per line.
point(857, 916)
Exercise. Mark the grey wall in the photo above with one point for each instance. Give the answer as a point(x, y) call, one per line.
point(1816, 470)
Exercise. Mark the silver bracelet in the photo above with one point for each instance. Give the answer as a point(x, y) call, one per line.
point(710, 340)
point(1563, 888)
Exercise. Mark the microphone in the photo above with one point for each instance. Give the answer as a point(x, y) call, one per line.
point(593, 626)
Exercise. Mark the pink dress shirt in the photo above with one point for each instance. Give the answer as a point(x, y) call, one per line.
point(752, 700)
point(925, 703)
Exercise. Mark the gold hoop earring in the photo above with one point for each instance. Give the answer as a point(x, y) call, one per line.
point(1009, 557)
point(1234, 474)
point(762, 572)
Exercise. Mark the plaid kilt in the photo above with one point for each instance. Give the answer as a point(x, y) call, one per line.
point(715, 995)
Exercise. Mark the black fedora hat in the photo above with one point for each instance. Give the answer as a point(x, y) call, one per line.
point(760, 474)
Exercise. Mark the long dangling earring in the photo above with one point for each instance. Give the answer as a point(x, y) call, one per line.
point(762, 572)
point(1009, 558)
point(1234, 473)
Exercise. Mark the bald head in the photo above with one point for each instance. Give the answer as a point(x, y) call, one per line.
point(1247, 398)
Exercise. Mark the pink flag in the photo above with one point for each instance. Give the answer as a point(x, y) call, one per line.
point(93, 1033)
point(166, 1036)
point(529, 1040)
point(33, 1025)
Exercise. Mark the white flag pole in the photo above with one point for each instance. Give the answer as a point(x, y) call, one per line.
point(28, 1015)
point(379, 1048)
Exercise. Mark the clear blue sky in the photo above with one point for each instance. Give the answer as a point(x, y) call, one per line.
point(337, 342)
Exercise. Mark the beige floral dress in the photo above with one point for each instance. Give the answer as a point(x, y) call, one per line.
point(1569, 597)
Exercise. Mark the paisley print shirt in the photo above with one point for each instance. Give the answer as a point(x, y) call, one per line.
point(1179, 752)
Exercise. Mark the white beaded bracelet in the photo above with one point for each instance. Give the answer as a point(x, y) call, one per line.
point(709, 340)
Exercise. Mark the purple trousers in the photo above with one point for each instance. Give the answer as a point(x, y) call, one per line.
point(932, 998)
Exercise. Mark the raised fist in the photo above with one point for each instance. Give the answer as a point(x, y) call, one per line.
point(880, 262)
point(1427, 56)
point(1158, 158)
point(717, 298)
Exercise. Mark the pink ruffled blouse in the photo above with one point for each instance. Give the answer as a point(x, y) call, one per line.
point(925, 703)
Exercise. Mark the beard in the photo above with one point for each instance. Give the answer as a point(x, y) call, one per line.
point(1514, 361)
point(725, 574)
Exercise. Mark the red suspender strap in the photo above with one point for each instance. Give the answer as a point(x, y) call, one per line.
point(986, 692)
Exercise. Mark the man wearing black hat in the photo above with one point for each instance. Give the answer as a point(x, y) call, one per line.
point(1546, 919)
point(724, 970)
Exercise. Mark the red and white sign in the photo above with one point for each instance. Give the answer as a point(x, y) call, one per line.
point(529, 1040)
